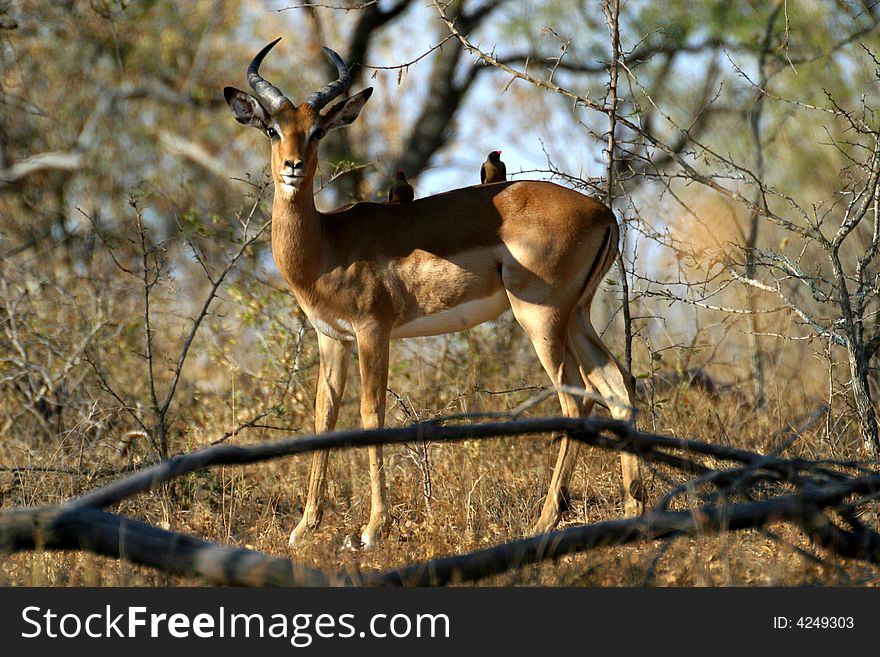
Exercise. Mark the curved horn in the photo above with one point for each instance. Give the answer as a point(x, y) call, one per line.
point(330, 91)
point(267, 92)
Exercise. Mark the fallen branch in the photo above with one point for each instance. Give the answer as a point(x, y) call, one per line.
point(55, 528)
point(776, 489)
point(113, 535)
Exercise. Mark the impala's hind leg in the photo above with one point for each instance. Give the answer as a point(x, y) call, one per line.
point(546, 328)
point(557, 493)
point(601, 371)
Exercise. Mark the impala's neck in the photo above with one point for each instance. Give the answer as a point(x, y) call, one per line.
point(297, 237)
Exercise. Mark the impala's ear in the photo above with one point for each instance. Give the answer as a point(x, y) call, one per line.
point(345, 111)
point(245, 108)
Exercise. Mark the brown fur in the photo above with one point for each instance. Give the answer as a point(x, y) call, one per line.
point(366, 270)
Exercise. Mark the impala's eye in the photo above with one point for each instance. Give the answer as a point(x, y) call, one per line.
point(272, 133)
point(317, 133)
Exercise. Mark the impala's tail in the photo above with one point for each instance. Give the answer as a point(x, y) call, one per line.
point(604, 261)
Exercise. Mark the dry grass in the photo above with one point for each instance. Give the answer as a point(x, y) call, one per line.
point(481, 492)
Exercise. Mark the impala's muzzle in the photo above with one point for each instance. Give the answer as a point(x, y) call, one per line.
point(292, 172)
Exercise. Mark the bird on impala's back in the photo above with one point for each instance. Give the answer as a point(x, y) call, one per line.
point(401, 191)
point(493, 169)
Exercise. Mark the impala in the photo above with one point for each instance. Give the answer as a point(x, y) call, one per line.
point(370, 272)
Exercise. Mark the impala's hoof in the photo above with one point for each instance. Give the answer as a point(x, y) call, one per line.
point(303, 529)
point(295, 537)
point(374, 532)
point(633, 508)
point(634, 499)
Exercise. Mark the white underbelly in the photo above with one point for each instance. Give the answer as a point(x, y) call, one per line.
point(457, 318)
point(338, 329)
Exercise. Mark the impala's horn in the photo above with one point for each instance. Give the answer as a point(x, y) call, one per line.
point(267, 92)
point(327, 93)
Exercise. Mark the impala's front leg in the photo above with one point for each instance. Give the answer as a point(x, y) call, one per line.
point(332, 372)
point(373, 359)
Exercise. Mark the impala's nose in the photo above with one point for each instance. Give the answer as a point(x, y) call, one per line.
point(293, 167)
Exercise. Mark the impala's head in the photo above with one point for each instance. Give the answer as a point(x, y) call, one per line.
point(294, 132)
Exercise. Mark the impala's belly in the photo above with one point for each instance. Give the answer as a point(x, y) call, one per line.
point(460, 317)
point(326, 324)
point(338, 329)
